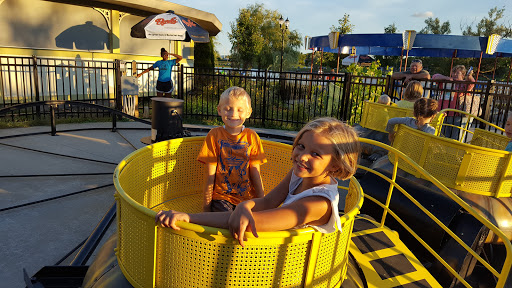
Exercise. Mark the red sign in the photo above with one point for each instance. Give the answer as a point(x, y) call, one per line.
point(162, 21)
point(189, 23)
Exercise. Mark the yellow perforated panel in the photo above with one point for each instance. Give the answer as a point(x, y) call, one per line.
point(204, 263)
point(469, 168)
point(330, 270)
point(488, 139)
point(136, 242)
point(412, 147)
point(375, 116)
point(278, 164)
point(443, 161)
point(474, 176)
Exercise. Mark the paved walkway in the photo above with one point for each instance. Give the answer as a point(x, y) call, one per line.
point(34, 234)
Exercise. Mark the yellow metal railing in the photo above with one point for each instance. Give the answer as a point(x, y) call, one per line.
point(402, 158)
point(438, 123)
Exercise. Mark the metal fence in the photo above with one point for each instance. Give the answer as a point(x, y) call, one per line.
point(279, 100)
point(31, 79)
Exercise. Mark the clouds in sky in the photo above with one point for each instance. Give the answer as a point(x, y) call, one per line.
point(425, 14)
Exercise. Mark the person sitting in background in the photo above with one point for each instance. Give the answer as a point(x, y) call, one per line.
point(457, 96)
point(424, 111)
point(508, 132)
point(413, 92)
point(416, 72)
point(384, 99)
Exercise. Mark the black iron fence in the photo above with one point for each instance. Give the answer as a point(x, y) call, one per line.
point(279, 100)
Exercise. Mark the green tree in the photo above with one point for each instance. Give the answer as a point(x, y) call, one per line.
point(205, 54)
point(434, 26)
point(257, 40)
point(489, 25)
point(390, 29)
point(345, 26)
point(494, 23)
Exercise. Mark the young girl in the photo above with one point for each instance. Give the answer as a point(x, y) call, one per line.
point(164, 85)
point(324, 149)
point(424, 111)
point(413, 92)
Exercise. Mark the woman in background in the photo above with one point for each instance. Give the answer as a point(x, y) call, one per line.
point(164, 85)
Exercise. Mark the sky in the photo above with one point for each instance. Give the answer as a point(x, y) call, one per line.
point(315, 18)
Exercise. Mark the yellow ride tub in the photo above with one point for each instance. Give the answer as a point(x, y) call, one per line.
point(166, 175)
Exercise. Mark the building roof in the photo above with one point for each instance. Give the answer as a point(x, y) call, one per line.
point(148, 7)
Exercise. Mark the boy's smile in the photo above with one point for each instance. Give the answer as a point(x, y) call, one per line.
point(233, 112)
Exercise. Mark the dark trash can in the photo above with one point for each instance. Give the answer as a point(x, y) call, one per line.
point(166, 119)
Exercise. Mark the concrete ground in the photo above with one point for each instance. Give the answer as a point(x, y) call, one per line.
point(35, 233)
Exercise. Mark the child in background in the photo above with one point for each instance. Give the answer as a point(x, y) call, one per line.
point(323, 150)
point(508, 132)
point(424, 111)
point(233, 155)
point(413, 92)
point(384, 99)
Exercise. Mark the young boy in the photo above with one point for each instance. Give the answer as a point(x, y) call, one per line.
point(424, 111)
point(508, 132)
point(233, 155)
point(384, 99)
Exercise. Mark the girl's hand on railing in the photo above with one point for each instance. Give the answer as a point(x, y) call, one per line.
point(169, 218)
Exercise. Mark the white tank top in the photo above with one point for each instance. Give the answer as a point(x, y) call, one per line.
point(329, 191)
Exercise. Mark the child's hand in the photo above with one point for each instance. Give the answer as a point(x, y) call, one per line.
point(169, 218)
point(238, 222)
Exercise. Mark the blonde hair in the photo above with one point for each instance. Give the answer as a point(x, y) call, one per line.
point(345, 144)
point(384, 99)
point(235, 92)
point(413, 91)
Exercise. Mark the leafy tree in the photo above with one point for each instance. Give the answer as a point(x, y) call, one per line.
point(489, 25)
point(329, 60)
point(345, 26)
point(434, 26)
point(492, 24)
point(390, 29)
point(204, 54)
point(257, 39)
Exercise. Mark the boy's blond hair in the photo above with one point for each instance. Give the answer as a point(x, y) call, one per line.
point(384, 99)
point(234, 92)
point(413, 91)
point(345, 144)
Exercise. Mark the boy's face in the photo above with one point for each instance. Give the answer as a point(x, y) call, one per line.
point(508, 127)
point(234, 111)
